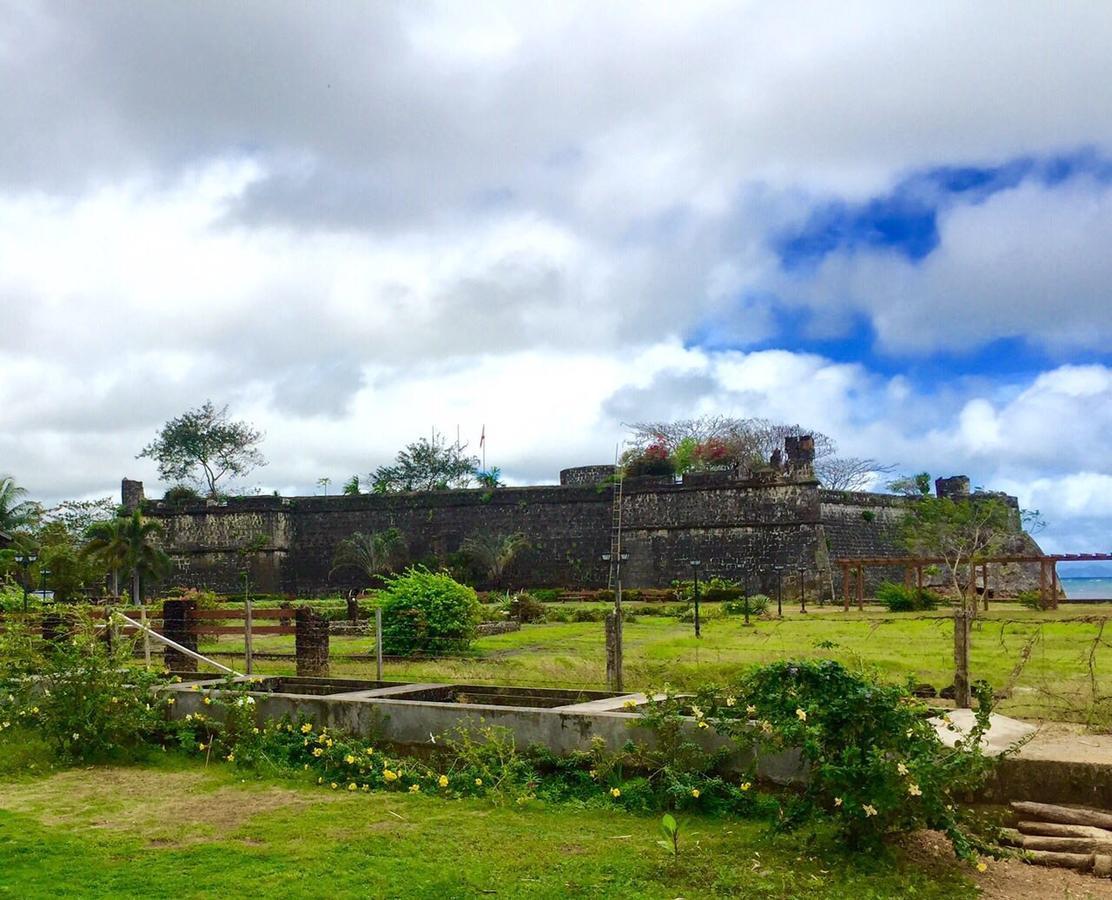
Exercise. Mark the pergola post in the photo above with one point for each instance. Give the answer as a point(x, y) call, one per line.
point(1053, 585)
point(1043, 599)
point(845, 585)
point(861, 587)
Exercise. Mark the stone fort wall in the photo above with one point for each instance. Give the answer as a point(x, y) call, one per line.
point(736, 527)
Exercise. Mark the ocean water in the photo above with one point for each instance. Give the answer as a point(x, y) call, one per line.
point(1087, 588)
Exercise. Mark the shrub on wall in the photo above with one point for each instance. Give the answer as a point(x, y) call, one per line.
point(428, 612)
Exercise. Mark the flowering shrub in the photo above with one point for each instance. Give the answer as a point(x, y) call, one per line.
point(428, 612)
point(876, 764)
point(85, 701)
point(653, 460)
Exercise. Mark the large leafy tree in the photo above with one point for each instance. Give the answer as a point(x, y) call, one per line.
point(372, 554)
point(15, 511)
point(428, 464)
point(203, 446)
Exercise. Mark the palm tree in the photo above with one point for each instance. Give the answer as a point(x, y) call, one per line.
point(108, 544)
point(372, 554)
point(141, 556)
point(15, 512)
point(493, 553)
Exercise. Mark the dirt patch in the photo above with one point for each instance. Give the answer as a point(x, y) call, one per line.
point(1010, 879)
point(167, 808)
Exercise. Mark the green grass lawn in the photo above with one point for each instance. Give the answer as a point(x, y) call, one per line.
point(1053, 681)
point(178, 829)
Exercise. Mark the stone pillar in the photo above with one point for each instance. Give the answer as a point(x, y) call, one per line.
point(131, 494)
point(55, 628)
point(312, 643)
point(179, 617)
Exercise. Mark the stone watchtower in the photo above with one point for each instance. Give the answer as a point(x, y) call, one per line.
point(131, 494)
point(956, 487)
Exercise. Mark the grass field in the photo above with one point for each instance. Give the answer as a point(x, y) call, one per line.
point(1040, 659)
point(177, 829)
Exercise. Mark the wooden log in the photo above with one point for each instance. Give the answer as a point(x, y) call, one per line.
point(1066, 844)
point(1080, 861)
point(1056, 829)
point(1068, 815)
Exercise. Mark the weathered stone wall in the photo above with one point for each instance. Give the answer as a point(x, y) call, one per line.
point(737, 529)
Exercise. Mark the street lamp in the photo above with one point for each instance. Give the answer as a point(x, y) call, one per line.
point(747, 576)
point(43, 574)
point(695, 563)
point(779, 591)
point(802, 590)
point(25, 560)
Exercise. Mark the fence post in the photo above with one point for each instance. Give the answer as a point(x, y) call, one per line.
point(378, 643)
point(179, 621)
point(962, 634)
point(311, 643)
point(248, 647)
point(614, 651)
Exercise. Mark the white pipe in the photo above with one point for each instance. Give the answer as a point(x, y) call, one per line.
point(177, 646)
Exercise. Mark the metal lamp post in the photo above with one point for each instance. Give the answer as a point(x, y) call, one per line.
point(25, 560)
point(695, 563)
point(779, 591)
point(802, 590)
point(746, 606)
point(43, 575)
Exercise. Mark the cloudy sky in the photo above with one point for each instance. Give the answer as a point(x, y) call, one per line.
point(355, 222)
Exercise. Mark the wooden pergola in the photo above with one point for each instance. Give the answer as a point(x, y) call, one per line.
point(853, 571)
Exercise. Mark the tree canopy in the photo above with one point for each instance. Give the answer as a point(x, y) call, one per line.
point(203, 446)
point(15, 511)
point(428, 464)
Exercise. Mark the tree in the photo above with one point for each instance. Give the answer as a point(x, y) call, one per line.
point(493, 553)
point(960, 532)
point(372, 554)
point(429, 464)
point(15, 512)
point(203, 446)
point(748, 442)
point(849, 473)
point(108, 544)
point(351, 487)
point(911, 485)
point(490, 479)
point(78, 516)
point(143, 557)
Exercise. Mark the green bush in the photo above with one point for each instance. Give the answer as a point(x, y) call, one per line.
point(1032, 599)
point(876, 764)
point(428, 612)
point(711, 590)
point(758, 603)
point(525, 608)
point(11, 598)
point(547, 595)
point(901, 598)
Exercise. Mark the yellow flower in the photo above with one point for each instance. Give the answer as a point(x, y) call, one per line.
point(695, 793)
point(696, 712)
point(317, 751)
point(171, 701)
point(745, 785)
point(442, 781)
point(766, 726)
point(801, 715)
point(593, 773)
point(615, 793)
point(370, 751)
point(750, 710)
point(334, 785)
point(730, 701)
point(389, 776)
point(366, 788)
point(320, 781)
point(195, 687)
point(630, 704)
point(328, 743)
point(231, 757)
point(353, 786)
point(902, 769)
point(478, 782)
point(200, 746)
point(415, 789)
point(703, 724)
point(837, 801)
point(913, 790)
point(981, 867)
point(207, 701)
point(349, 759)
point(307, 727)
point(870, 810)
